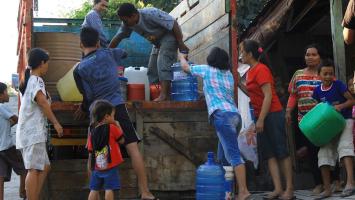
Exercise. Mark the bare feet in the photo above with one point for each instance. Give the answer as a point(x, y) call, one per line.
point(287, 195)
point(161, 98)
point(243, 196)
point(148, 196)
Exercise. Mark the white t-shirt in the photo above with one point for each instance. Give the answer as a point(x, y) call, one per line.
point(5, 128)
point(31, 128)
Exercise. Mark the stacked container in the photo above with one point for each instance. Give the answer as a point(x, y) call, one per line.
point(184, 87)
point(137, 83)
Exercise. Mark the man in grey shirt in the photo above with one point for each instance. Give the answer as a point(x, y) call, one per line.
point(163, 31)
point(93, 20)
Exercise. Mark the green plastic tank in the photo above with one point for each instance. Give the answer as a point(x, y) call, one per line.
point(321, 124)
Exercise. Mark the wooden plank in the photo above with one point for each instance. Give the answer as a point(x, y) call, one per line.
point(207, 34)
point(178, 11)
point(68, 141)
point(187, 116)
point(336, 16)
point(173, 143)
point(221, 40)
point(203, 18)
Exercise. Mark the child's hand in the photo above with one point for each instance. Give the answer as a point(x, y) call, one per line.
point(59, 129)
point(338, 107)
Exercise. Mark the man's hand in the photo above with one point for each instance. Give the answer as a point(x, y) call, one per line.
point(79, 114)
point(338, 107)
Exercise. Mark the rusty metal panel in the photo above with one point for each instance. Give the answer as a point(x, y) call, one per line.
point(64, 51)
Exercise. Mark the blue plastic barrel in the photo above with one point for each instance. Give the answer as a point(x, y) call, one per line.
point(184, 87)
point(210, 182)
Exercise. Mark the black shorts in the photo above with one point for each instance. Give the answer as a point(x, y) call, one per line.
point(129, 132)
point(11, 159)
point(272, 142)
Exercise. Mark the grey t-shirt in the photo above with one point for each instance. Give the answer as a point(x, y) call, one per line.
point(93, 20)
point(5, 128)
point(153, 24)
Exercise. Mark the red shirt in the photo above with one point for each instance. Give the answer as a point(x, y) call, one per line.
point(257, 76)
point(116, 156)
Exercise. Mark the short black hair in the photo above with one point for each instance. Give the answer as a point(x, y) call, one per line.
point(326, 63)
point(218, 58)
point(319, 50)
point(126, 10)
point(89, 37)
point(98, 1)
point(100, 109)
point(3, 87)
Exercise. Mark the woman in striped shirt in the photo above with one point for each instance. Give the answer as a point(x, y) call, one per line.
point(301, 89)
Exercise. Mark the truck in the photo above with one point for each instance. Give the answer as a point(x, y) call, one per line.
point(175, 135)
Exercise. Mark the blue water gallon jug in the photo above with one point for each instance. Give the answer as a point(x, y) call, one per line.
point(210, 182)
point(184, 86)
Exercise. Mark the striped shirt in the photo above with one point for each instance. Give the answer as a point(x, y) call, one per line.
point(93, 20)
point(218, 87)
point(302, 86)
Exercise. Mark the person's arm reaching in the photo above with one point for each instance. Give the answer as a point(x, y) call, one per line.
point(42, 102)
point(178, 35)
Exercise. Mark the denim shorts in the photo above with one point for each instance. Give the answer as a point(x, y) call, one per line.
point(272, 142)
point(227, 125)
point(107, 180)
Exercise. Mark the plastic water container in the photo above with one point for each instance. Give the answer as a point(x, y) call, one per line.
point(136, 92)
point(138, 75)
point(66, 87)
point(321, 124)
point(229, 182)
point(184, 87)
point(210, 180)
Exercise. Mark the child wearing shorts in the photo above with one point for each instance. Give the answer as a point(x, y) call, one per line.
point(10, 158)
point(104, 151)
point(336, 93)
point(31, 132)
point(218, 87)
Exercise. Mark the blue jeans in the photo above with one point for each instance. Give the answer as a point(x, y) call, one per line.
point(227, 125)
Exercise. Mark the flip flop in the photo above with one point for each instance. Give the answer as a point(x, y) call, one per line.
point(348, 192)
point(271, 197)
point(320, 197)
point(289, 198)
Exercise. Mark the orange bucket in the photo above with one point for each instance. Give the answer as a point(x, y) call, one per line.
point(136, 92)
point(154, 91)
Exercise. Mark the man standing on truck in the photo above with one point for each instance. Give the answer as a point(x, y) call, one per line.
point(93, 20)
point(163, 31)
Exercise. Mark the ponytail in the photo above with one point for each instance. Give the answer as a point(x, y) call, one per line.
point(23, 84)
point(258, 53)
point(35, 58)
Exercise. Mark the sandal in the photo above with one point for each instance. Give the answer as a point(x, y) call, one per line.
point(322, 196)
point(271, 196)
point(348, 192)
